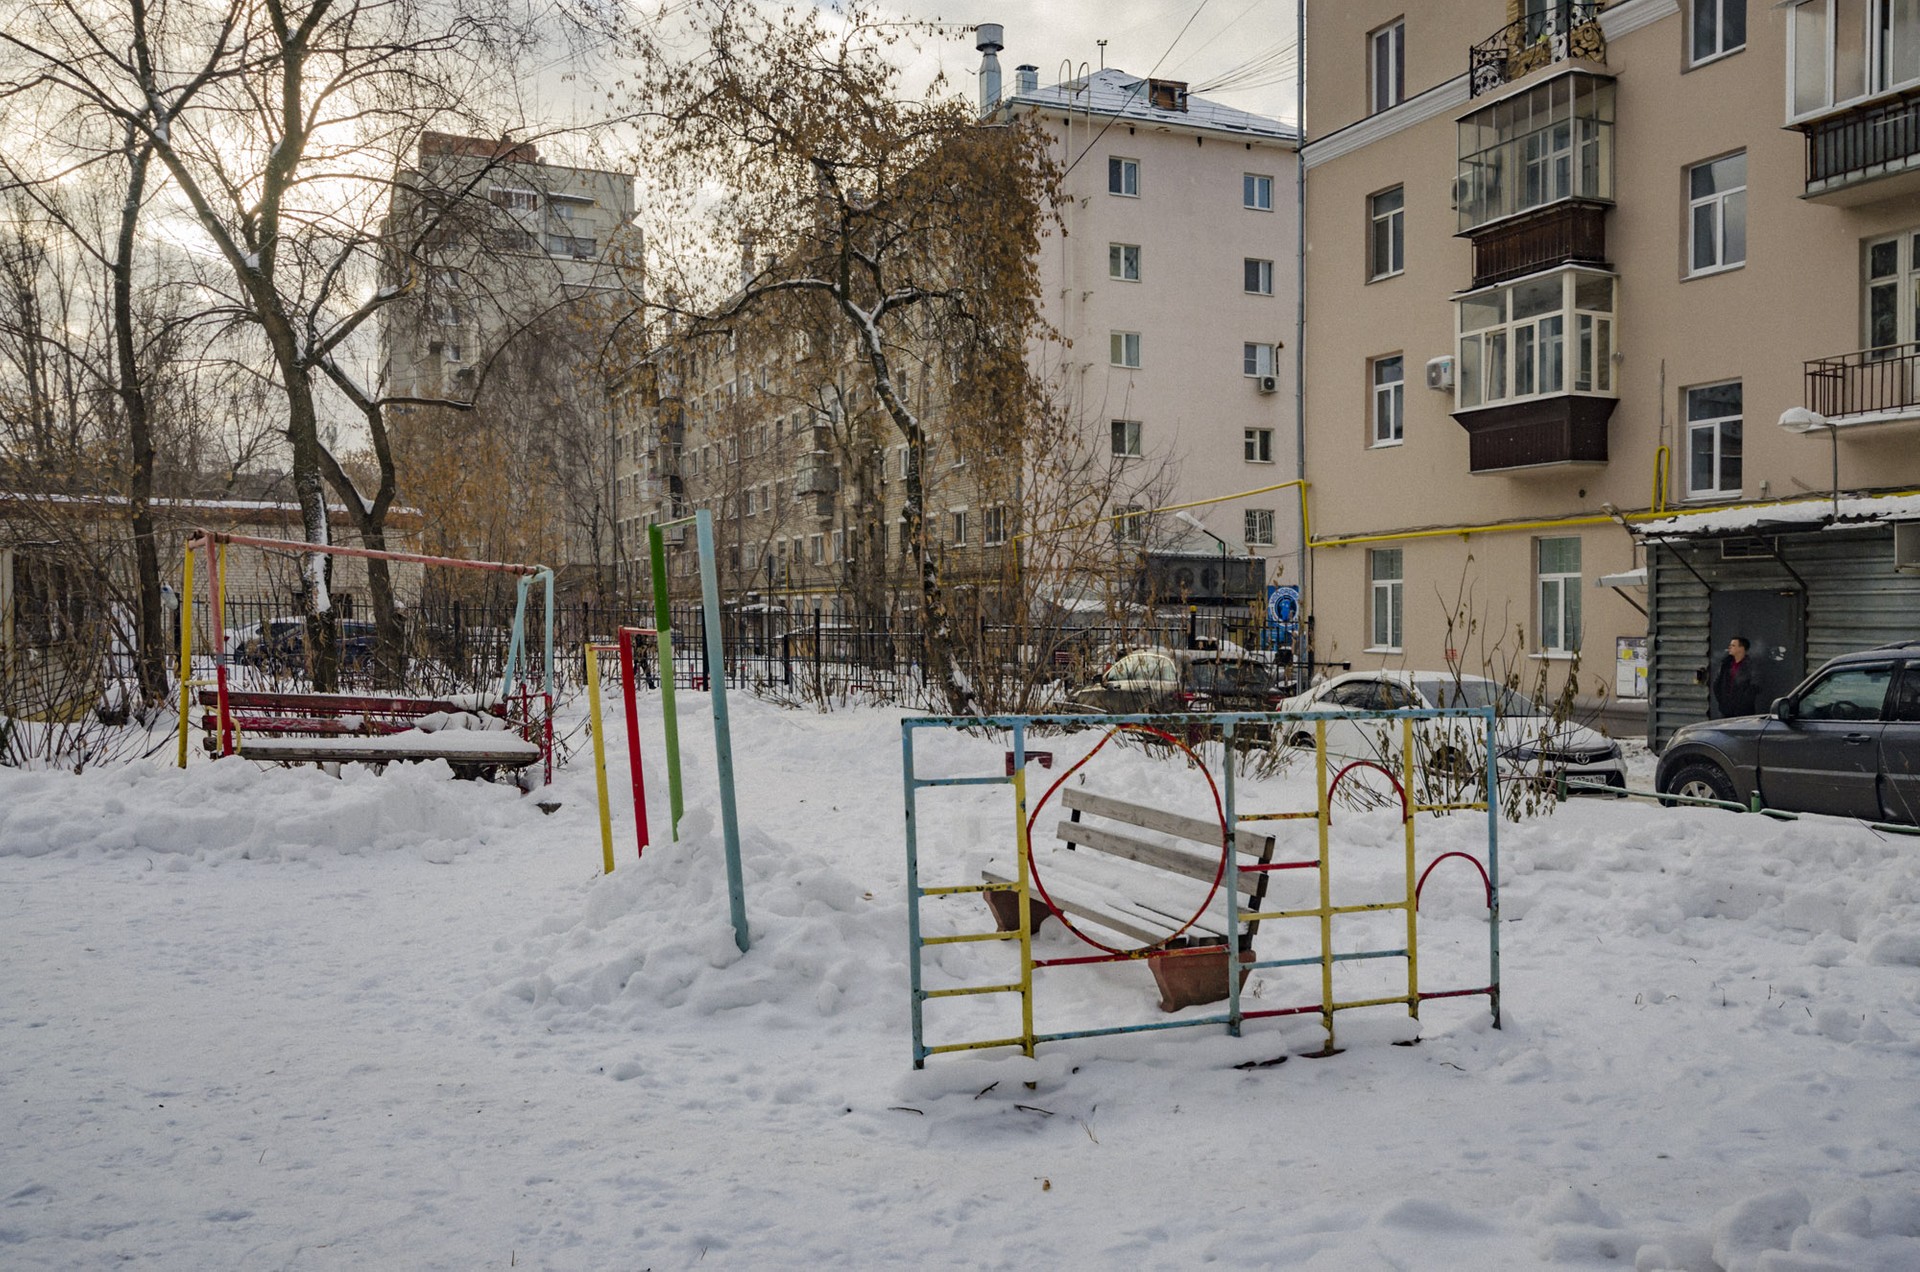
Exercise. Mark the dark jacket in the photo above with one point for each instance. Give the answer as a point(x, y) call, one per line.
point(1735, 690)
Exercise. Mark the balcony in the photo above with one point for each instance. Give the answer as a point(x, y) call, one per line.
point(1566, 31)
point(1872, 386)
point(1555, 432)
point(1852, 155)
point(1545, 144)
point(1572, 232)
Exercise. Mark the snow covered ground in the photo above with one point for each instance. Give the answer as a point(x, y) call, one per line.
point(264, 1018)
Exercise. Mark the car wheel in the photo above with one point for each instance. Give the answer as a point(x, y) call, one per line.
point(1302, 740)
point(1700, 780)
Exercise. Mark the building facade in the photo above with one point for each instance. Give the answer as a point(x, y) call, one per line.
point(1576, 297)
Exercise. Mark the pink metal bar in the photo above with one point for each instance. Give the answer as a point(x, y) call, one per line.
point(627, 679)
point(297, 548)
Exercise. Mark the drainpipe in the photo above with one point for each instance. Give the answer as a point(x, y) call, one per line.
point(1300, 287)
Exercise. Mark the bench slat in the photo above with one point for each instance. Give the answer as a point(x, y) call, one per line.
point(1174, 860)
point(1249, 842)
point(457, 746)
point(1132, 918)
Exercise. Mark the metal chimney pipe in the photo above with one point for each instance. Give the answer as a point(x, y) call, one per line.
point(989, 39)
point(1026, 79)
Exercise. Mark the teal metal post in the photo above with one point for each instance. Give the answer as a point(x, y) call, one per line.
point(912, 788)
point(722, 733)
point(517, 639)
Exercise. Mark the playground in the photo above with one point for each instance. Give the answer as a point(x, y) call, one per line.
point(264, 1016)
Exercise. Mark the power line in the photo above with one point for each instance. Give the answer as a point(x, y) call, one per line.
point(1131, 94)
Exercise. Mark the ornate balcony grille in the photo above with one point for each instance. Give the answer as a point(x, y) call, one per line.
point(1566, 30)
point(1882, 381)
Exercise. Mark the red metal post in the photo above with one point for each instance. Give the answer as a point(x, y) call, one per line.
point(628, 680)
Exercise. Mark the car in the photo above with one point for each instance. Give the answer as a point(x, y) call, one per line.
point(1529, 743)
point(280, 644)
point(1156, 680)
point(1846, 741)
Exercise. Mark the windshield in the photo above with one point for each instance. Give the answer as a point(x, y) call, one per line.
point(1476, 693)
point(1231, 677)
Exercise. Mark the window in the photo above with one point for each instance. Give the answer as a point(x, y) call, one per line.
point(1719, 26)
point(1259, 277)
point(1893, 275)
point(1850, 693)
point(837, 550)
point(1840, 51)
point(1129, 524)
point(1259, 527)
point(1389, 400)
point(1124, 349)
point(1256, 192)
point(1123, 177)
point(1387, 48)
point(959, 527)
point(1713, 440)
point(1717, 213)
point(513, 200)
point(1514, 339)
point(993, 525)
point(1256, 359)
point(1557, 563)
point(1384, 567)
point(1387, 236)
point(816, 549)
point(1550, 143)
point(1123, 262)
point(1258, 443)
point(1126, 439)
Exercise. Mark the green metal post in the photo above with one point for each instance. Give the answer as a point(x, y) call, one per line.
point(663, 641)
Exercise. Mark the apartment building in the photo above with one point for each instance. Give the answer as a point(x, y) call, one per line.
point(507, 314)
point(1610, 344)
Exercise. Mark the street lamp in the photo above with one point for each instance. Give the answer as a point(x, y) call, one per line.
point(1798, 419)
point(1189, 519)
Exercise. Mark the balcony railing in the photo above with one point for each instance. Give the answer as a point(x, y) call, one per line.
point(1566, 30)
point(1883, 382)
point(1561, 233)
point(1864, 143)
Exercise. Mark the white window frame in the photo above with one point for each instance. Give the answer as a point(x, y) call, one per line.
point(1125, 438)
point(1876, 74)
point(1256, 192)
point(1258, 360)
point(1258, 524)
point(1557, 593)
point(1386, 600)
point(1717, 206)
point(1393, 224)
point(1123, 262)
point(1384, 92)
point(1123, 349)
point(1585, 337)
point(1718, 425)
point(1719, 10)
point(816, 549)
point(1389, 413)
point(1256, 445)
point(1130, 524)
point(1259, 273)
point(1901, 287)
point(957, 522)
point(1125, 174)
point(836, 547)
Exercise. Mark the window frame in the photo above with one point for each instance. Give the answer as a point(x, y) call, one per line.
point(1124, 434)
point(1122, 345)
point(1390, 38)
point(1256, 445)
point(1394, 394)
point(993, 525)
point(1259, 272)
point(1586, 340)
point(1902, 286)
point(1389, 590)
point(1129, 525)
point(1566, 599)
point(1254, 187)
point(1718, 423)
point(1117, 257)
point(1720, 8)
point(957, 527)
point(1875, 71)
point(1718, 202)
point(1252, 353)
point(1393, 223)
point(1124, 172)
point(1257, 525)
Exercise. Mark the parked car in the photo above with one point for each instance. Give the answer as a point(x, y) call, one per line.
point(280, 644)
point(1528, 743)
point(1157, 680)
point(1846, 741)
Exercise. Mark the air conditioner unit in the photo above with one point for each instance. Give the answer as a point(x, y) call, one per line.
point(1906, 546)
point(1268, 383)
point(1440, 373)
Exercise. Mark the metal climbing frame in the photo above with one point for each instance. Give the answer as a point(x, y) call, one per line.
point(1322, 914)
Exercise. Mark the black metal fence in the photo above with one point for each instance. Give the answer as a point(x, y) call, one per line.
point(1864, 142)
point(1872, 380)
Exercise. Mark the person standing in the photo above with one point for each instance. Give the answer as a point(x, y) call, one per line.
point(1735, 690)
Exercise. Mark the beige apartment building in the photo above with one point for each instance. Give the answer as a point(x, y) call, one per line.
point(1568, 266)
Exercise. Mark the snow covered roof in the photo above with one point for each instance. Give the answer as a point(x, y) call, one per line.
point(1796, 514)
point(1116, 93)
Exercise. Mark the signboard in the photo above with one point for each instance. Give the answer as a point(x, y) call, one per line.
point(1630, 667)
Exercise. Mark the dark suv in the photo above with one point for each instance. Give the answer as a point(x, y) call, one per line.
point(1156, 681)
point(1846, 742)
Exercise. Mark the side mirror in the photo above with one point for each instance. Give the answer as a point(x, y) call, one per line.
point(1783, 709)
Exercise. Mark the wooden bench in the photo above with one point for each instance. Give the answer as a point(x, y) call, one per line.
point(333, 728)
point(1111, 869)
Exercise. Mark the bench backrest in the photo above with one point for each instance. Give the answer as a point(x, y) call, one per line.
point(332, 703)
point(1195, 852)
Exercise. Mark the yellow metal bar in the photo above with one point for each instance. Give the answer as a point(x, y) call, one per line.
point(1326, 878)
point(186, 651)
point(1368, 908)
point(225, 720)
point(965, 937)
point(1413, 920)
point(1479, 807)
point(969, 887)
point(1260, 817)
point(1662, 459)
point(1026, 915)
point(1015, 988)
point(1370, 1002)
point(600, 761)
point(978, 1046)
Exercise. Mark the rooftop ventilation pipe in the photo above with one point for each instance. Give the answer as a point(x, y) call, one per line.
point(1026, 79)
point(989, 39)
